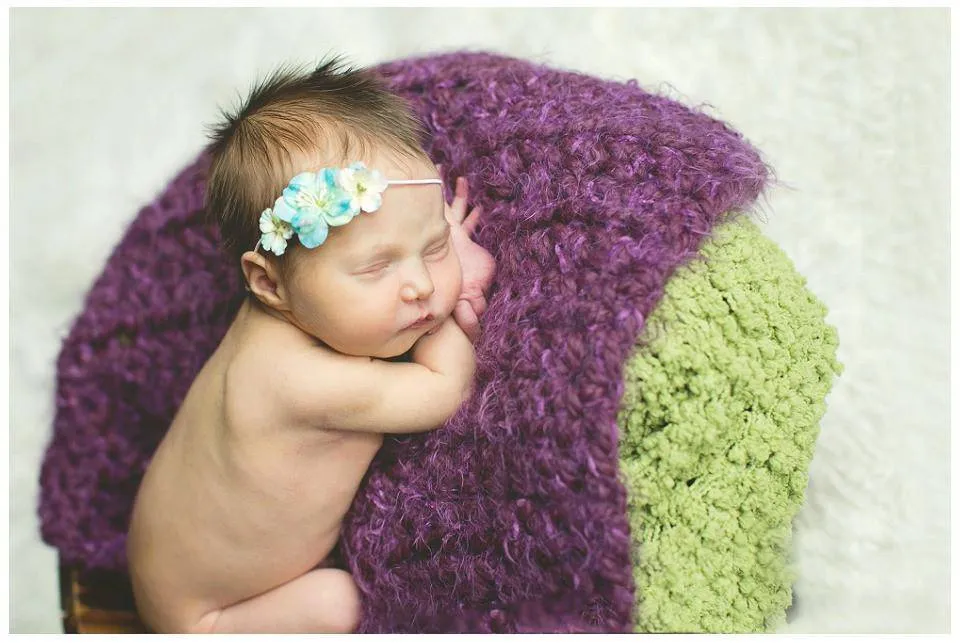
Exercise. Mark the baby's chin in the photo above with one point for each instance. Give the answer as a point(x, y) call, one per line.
point(398, 346)
point(395, 349)
point(402, 346)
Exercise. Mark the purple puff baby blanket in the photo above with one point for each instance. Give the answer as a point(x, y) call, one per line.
point(510, 518)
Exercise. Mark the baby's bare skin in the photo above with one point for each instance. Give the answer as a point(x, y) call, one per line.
point(246, 493)
point(258, 500)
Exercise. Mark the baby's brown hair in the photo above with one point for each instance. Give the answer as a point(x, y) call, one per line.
point(332, 114)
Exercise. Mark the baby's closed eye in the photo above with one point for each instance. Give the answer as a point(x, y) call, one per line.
point(438, 250)
point(374, 268)
point(378, 266)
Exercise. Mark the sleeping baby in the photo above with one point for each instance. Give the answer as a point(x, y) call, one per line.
point(352, 258)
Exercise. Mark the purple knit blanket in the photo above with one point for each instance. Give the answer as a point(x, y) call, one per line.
point(511, 517)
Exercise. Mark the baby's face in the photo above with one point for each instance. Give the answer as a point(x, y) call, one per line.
point(385, 278)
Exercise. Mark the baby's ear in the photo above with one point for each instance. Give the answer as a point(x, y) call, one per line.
point(263, 280)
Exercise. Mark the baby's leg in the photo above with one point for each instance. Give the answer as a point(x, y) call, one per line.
point(320, 601)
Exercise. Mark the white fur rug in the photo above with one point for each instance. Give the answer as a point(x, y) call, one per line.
point(850, 106)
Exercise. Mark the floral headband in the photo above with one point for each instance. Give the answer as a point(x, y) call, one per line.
point(314, 201)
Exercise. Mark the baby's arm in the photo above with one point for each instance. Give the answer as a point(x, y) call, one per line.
point(362, 394)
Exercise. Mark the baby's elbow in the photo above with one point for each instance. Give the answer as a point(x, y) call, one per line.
point(458, 397)
point(467, 374)
point(443, 406)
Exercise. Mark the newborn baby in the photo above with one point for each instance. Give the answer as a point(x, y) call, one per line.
point(337, 220)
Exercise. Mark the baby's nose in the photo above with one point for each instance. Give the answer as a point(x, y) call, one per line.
point(419, 285)
point(411, 292)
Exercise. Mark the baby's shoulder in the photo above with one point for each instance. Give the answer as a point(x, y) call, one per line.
point(264, 354)
point(259, 372)
point(281, 372)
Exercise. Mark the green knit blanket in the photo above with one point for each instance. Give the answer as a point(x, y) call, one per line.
point(722, 403)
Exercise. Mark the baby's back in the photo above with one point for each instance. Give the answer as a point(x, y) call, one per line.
point(236, 499)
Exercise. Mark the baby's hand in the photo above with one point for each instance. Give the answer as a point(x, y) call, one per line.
point(447, 351)
point(434, 348)
point(477, 264)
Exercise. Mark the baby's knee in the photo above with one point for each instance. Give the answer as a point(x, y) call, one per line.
point(344, 607)
point(174, 617)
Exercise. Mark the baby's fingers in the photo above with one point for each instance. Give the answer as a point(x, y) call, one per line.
point(467, 320)
point(458, 209)
point(478, 304)
point(470, 223)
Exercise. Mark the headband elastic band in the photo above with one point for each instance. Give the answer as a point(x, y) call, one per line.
point(414, 182)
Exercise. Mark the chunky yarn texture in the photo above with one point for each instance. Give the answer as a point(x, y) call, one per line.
point(512, 517)
point(719, 418)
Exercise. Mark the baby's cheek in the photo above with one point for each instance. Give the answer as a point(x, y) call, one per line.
point(365, 312)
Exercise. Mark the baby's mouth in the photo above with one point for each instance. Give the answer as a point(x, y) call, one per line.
point(422, 322)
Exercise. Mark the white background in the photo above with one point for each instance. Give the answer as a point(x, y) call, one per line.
point(850, 107)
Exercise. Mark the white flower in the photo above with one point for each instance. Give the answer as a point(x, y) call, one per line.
point(275, 232)
point(364, 186)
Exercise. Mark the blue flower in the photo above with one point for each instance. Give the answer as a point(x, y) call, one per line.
point(283, 211)
point(311, 228)
point(318, 194)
